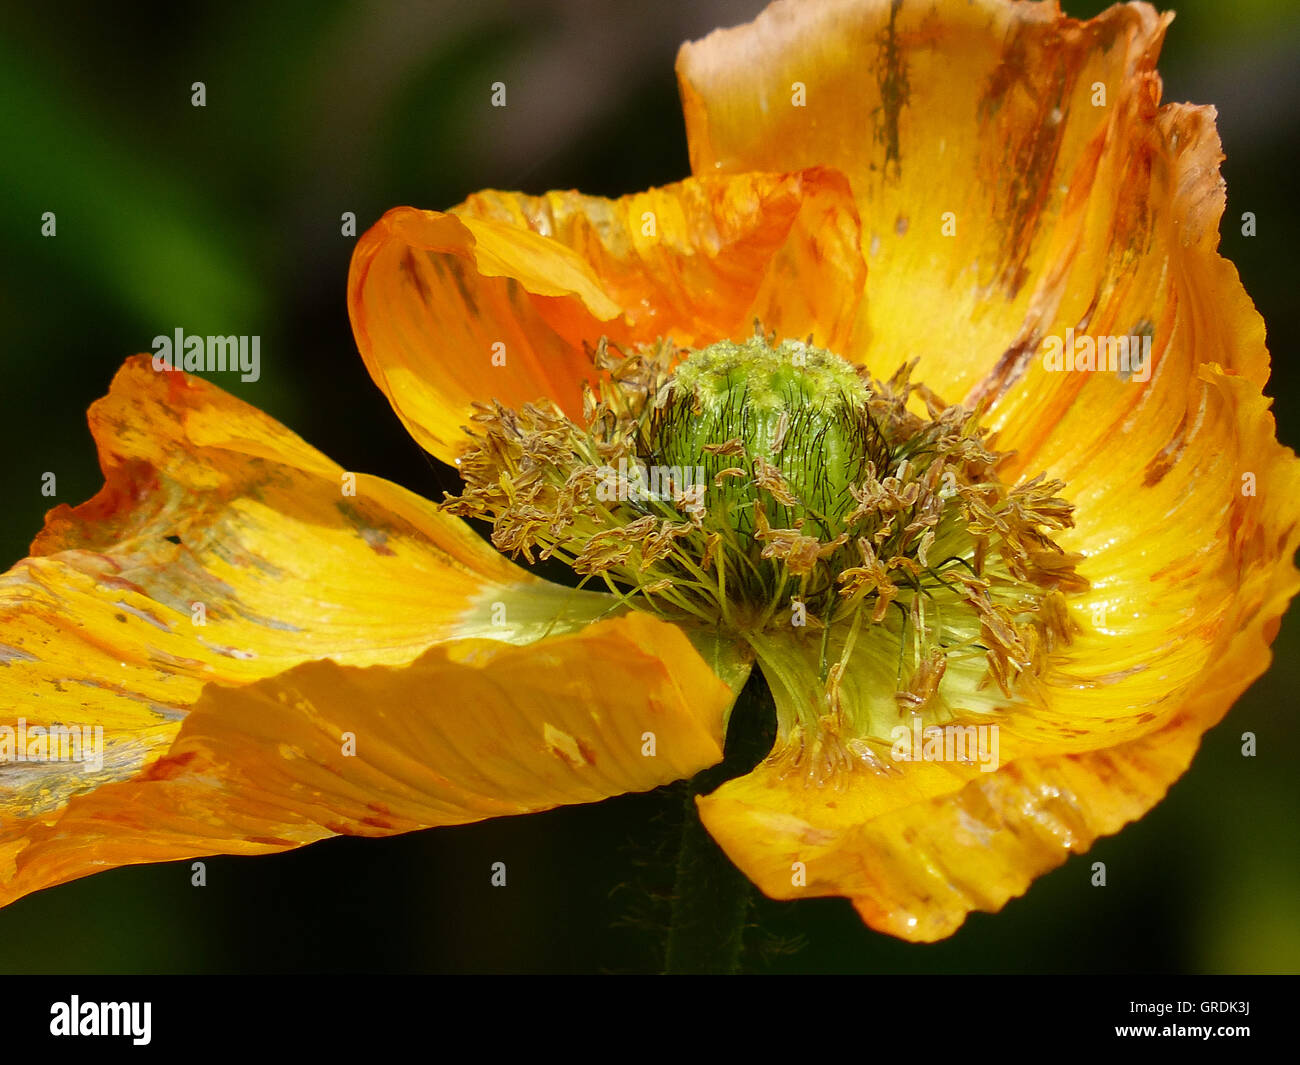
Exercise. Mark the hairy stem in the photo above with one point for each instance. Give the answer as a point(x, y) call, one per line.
point(711, 897)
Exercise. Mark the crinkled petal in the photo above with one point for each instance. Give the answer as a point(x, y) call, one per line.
point(472, 729)
point(919, 845)
point(500, 298)
point(223, 550)
point(1185, 505)
point(1100, 220)
point(968, 132)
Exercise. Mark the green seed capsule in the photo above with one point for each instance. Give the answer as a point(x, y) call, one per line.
point(798, 410)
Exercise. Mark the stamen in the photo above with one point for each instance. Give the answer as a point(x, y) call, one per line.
point(778, 493)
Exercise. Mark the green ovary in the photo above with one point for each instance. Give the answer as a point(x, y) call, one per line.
point(801, 409)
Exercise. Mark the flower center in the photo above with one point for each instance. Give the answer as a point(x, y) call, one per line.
point(780, 432)
point(772, 491)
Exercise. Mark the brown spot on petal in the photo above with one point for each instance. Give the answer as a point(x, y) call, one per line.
point(171, 766)
point(1009, 368)
point(892, 78)
point(378, 541)
point(1024, 105)
point(565, 747)
point(1169, 455)
point(14, 654)
point(410, 269)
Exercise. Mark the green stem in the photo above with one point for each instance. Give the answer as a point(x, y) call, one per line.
point(711, 897)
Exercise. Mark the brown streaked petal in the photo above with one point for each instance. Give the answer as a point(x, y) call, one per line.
point(1100, 220)
point(976, 117)
point(919, 845)
point(1185, 504)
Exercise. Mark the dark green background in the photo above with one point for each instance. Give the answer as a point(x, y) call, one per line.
point(226, 220)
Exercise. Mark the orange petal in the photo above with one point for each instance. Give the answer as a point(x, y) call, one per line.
point(1195, 609)
point(473, 729)
point(918, 845)
point(1100, 219)
point(498, 299)
point(1185, 505)
point(1126, 245)
point(968, 132)
point(222, 549)
point(917, 851)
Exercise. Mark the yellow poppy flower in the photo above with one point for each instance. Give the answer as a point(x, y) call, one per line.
point(990, 495)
